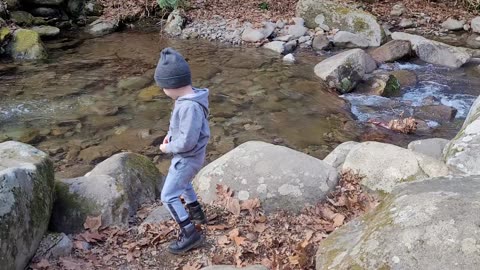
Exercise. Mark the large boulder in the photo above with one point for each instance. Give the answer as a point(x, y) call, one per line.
point(114, 189)
point(392, 51)
point(338, 16)
point(26, 196)
point(463, 152)
point(385, 166)
point(27, 45)
point(435, 52)
point(345, 70)
point(336, 158)
point(430, 147)
point(431, 224)
point(280, 177)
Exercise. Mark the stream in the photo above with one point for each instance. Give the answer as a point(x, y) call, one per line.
point(75, 107)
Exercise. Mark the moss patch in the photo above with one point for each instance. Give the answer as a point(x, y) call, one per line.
point(70, 210)
point(359, 25)
point(26, 39)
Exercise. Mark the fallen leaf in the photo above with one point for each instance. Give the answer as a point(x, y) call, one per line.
point(70, 264)
point(223, 240)
point(93, 223)
point(130, 256)
point(192, 266)
point(260, 227)
point(233, 205)
point(327, 213)
point(233, 233)
point(91, 237)
point(338, 220)
point(251, 204)
point(239, 240)
point(43, 264)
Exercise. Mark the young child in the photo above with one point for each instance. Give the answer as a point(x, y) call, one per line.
point(187, 139)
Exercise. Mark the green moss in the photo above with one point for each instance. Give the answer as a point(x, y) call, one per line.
point(359, 25)
point(356, 267)
point(70, 210)
point(25, 39)
point(384, 267)
point(144, 166)
point(4, 33)
point(342, 10)
point(331, 255)
point(392, 88)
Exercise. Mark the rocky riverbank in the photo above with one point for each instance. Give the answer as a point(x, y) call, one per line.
point(434, 172)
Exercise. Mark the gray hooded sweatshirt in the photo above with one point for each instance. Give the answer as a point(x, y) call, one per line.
point(189, 132)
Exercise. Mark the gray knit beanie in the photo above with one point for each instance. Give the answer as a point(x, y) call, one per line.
point(172, 70)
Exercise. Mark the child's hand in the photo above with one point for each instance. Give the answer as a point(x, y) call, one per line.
point(163, 147)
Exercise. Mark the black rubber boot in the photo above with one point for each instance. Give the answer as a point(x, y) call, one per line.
point(188, 239)
point(196, 214)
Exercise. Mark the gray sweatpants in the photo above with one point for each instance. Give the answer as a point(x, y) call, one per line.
point(179, 183)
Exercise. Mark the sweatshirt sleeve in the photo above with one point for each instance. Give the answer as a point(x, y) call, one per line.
point(190, 126)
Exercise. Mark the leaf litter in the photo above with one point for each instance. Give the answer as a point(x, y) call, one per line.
point(238, 233)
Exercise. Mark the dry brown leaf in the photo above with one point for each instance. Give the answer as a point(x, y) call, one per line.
point(327, 213)
point(192, 266)
point(338, 220)
point(233, 233)
point(93, 223)
point(91, 237)
point(223, 240)
point(239, 240)
point(260, 227)
point(70, 264)
point(233, 205)
point(251, 204)
point(42, 265)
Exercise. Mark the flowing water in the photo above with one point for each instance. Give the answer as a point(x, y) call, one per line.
point(77, 107)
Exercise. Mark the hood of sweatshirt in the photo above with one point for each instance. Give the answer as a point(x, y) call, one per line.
point(200, 96)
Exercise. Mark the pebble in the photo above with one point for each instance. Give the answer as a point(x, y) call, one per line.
point(289, 58)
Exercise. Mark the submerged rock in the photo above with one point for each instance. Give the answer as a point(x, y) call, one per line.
point(437, 113)
point(429, 224)
point(26, 45)
point(345, 70)
point(46, 31)
point(462, 154)
point(385, 166)
point(276, 46)
point(265, 171)
point(435, 52)
point(256, 35)
point(380, 84)
point(115, 189)
point(26, 195)
point(338, 16)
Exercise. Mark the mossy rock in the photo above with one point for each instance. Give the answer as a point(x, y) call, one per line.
point(115, 189)
point(150, 93)
point(421, 225)
point(26, 193)
point(339, 16)
point(26, 45)
point(392, 87)
point(22, 18)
